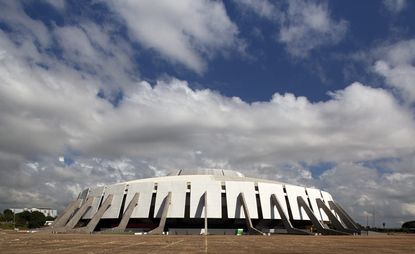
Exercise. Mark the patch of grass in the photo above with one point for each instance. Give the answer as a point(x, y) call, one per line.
point(6, 226)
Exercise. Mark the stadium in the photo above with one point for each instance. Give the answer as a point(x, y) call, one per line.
point(211, 201)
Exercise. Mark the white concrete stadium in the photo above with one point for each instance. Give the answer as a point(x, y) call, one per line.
point(205, 201)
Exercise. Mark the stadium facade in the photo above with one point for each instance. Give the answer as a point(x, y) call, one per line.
point(205, 201)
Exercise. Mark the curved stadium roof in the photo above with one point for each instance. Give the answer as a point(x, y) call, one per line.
point(201, 198)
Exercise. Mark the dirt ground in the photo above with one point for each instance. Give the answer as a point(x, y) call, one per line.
point(12, 242)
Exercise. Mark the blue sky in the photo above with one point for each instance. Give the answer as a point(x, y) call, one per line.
point(316, 93)
point(265, 67)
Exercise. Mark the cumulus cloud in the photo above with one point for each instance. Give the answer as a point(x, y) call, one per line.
point(394, 6)
point(184, 32)
point(396, 63)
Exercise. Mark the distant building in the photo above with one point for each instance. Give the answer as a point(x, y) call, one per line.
point(46, 211)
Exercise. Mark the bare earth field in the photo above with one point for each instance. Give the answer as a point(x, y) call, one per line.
point(12, 242)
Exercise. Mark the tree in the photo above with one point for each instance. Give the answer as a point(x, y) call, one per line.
point(37, 219)
point(50, 218)
point(22, 219)
point(33, 219)
point(8, 215)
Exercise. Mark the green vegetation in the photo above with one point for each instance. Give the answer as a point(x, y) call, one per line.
point(8, 215)
point(24, 219)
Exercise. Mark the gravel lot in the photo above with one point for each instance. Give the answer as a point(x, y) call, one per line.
point(13, 242)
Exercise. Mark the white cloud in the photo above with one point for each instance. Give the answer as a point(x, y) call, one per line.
point(395, 6)
point(409, 209)
point(308, 25)
point(94, 50)
point(396, 63)
point(184, 32)
point(364, 191)
point(303, 25)
point(12, 14)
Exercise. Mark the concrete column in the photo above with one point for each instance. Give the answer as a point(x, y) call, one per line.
point(320, 228)
point(206, 213)
point(251, 229)
point(78, 215)
point(344, 216)
point(63, 218)
point(285, 220)
point(97, 216)
point(127, 214)
point(333, 219)
point(166, 204)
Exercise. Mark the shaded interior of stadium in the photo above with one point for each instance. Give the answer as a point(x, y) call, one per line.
point(205, 201)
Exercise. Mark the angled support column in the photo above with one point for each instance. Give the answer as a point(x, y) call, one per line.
point(63, 218)
point(251, 229)
point(166, 204)
point(127, 214)
point(350, 224)
point(333, 219)
point(320, 228)
point(97, 216)
point(206, 215)
point(78, 215)
point(285, 220)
